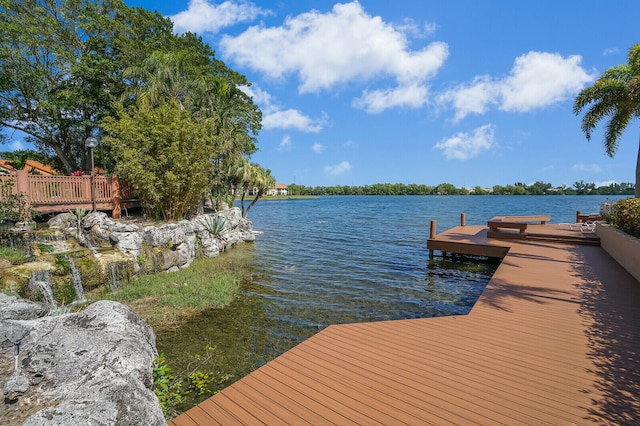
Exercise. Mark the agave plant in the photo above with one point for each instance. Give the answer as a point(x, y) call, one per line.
point(216, 226)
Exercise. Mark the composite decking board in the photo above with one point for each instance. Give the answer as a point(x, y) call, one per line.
point(417, 377)
point(245, 396)
point(437, 407)
point(218, 413)
point(303, 406)
point(241, 413)
point(418, 335)
point(183, 420)
point(350, 374)
point(483, 370)
point(291, 408)
point(343, 407)
point(343, 384)
point(199, 416)
point(553, 338)
point(535, 406)
point(490, 353)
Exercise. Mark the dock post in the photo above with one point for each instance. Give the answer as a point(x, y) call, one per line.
point(432, 235)
point(578, 214)
point(463, 219)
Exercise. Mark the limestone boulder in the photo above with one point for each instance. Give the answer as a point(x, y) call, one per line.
point(91, 367)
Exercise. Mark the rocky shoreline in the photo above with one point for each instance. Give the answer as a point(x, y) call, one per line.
point(94, 366)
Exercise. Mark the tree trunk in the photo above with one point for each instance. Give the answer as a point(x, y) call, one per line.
point(638, 173)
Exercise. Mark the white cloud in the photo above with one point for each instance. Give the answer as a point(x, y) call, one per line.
point(611, 51)
point(289, 119)
point(410, 27)
point(273, 117)
point(338, 169)
point(17, 145)
point(414, 96)
point(285, 144)
point(331, 49)
point(473, 98)
point(205, 17)
point(588, 168)
point(537, 80)
point(318, 148)
point(464, 146)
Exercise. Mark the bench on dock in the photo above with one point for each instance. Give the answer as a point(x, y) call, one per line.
point(514, 222)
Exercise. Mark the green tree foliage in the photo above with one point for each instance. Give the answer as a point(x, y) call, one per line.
point(13, 206)
point(616, 95)
point(164, 154)
point(244, 177)
point(61, 63)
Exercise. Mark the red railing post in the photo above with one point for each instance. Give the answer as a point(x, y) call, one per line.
point(22, 185)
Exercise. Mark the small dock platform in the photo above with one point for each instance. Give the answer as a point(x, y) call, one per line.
point(553, 339)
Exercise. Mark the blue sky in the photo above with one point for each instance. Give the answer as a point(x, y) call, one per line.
point(416, 91)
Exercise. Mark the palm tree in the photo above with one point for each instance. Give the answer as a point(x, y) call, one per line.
point(263, 181)
point(616, 94)
point(163, 77)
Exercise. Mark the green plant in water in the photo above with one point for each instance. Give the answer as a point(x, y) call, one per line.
point(216, 226)
point(166, 387)
point(199, 382)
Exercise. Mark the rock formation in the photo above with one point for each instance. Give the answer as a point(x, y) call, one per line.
point(92, 367)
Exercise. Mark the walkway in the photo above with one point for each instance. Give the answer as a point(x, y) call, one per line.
point(553, 339)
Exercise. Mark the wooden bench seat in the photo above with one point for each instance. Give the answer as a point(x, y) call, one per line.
point(515, 222)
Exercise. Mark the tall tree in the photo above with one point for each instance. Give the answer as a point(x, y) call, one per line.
point(164, 154)
point(61, 61)
point(616, 94)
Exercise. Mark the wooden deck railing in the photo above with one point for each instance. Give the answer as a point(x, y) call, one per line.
point(50, 194)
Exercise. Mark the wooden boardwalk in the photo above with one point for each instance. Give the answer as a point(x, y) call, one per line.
point(553, 339)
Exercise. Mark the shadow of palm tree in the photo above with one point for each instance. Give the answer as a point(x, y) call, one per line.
point(610, 310)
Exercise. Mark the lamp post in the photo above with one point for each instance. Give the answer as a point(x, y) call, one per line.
point(91, 143)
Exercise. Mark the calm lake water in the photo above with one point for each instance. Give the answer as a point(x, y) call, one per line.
point(344, 259)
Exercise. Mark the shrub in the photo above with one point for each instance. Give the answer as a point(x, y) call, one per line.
point(13, 207)
point(626, 216)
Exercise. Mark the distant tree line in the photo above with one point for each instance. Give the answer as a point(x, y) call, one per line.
point(519, 188)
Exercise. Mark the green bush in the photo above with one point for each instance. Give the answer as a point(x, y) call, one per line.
point(626, 216)
point(13, 207)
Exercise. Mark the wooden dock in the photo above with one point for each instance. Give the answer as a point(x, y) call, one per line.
point(553, 339)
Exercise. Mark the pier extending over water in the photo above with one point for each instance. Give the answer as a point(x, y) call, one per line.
point(553, 339)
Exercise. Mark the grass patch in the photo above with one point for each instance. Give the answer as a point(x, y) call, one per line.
point(14, 257)
point(165, 299)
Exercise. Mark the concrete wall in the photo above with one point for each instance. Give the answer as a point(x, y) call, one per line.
point(624, 248)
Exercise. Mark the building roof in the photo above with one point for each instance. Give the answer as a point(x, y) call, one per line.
point(32, 166)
